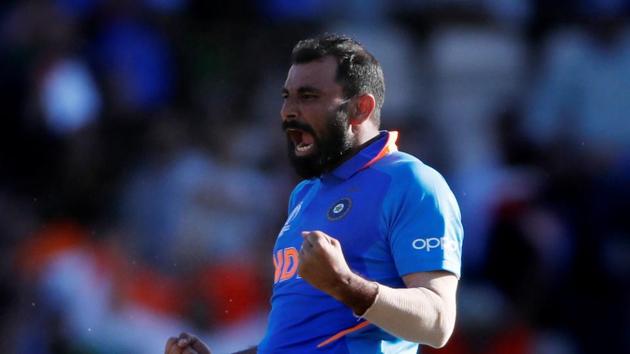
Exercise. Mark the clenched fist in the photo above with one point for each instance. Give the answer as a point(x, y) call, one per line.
point(322, 264)
point(185, 344)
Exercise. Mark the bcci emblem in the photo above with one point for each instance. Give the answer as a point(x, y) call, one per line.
point(339, 209)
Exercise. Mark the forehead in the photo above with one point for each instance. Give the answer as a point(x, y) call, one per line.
point(319, 74)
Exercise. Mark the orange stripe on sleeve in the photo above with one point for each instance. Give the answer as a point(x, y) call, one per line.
point(343, 333)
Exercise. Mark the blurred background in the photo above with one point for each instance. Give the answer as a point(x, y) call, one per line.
point(143, 172)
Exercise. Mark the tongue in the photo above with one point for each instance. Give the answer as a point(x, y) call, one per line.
point(307, 139)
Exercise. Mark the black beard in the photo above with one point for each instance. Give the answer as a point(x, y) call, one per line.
point(331, 146)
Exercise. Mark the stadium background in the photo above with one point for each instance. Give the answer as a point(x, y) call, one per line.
point(143, 175)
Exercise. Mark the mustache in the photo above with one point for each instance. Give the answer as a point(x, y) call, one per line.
point(292, 124)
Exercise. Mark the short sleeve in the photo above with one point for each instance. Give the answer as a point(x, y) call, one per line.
point(423, 222)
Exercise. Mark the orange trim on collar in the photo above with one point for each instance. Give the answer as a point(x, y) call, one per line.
point(389, 147)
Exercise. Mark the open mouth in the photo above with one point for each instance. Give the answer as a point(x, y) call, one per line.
point(303, 142)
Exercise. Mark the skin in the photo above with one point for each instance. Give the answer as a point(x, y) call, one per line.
point(310, 94)
point(185, 344)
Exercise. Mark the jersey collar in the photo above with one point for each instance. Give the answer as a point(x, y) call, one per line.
point(382, 146)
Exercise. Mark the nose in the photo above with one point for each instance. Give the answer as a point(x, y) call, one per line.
point(289, 110)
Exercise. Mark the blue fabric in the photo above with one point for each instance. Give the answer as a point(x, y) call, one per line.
point(394, 217)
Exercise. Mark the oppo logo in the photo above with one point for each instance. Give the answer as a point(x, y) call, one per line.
point(431, 243)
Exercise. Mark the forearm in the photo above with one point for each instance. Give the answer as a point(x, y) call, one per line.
point(417, 314)
point(423, 312)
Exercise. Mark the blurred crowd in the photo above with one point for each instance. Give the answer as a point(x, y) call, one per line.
point(143, 171)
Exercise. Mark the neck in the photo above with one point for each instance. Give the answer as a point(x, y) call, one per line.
point(361, 141)
point(365, 135)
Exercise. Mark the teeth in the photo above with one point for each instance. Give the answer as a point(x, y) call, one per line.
point(303, 147)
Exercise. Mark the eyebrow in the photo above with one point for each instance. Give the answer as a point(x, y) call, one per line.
point(303, 90)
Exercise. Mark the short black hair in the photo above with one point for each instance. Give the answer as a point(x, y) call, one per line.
point(358, 72)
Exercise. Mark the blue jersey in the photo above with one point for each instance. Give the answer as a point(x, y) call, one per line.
point(393, 216)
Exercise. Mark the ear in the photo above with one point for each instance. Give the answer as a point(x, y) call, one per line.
point(362, 108)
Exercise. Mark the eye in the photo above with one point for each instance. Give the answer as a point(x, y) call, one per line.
point(308, 96)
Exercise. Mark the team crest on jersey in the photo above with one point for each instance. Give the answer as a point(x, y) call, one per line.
point(339, 209)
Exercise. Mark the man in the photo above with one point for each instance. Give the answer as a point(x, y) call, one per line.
point(369, 258)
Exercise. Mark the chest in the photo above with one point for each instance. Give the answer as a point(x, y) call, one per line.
point(349, 212)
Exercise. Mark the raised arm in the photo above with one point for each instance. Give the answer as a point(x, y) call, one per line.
point(424, 312)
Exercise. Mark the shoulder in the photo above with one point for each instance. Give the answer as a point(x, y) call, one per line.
point(406, 171)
